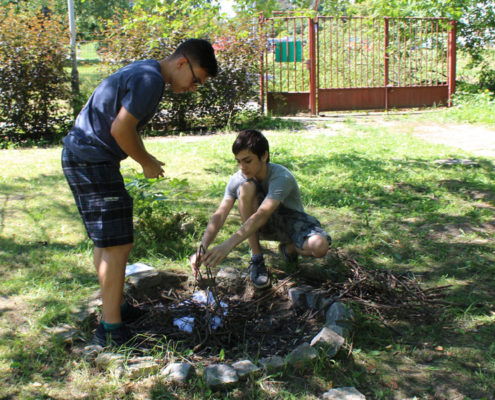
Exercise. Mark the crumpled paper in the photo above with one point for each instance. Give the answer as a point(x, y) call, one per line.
point(186, 324)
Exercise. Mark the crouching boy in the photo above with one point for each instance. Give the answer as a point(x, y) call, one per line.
point(270, 207)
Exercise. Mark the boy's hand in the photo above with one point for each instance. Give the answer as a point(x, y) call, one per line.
point(153, 169)
point(196, 259)
point(195, 262)
point(214, 256)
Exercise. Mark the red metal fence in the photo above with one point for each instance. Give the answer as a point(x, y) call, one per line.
point(342, 63)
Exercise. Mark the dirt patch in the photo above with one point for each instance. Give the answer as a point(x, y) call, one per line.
point(13, 310)
point(254, 322)
point(263, 323)
point(476, 139)
point(456, 232)
point(479, 140)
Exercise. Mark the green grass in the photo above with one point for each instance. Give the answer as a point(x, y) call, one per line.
point(378, 193)
point(88, 51)
point(90, 76)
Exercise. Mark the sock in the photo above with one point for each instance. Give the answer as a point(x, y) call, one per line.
point(257, 258)
point(124, 308)
point(111, 327)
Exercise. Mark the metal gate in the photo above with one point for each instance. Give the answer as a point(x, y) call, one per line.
point(346, 63)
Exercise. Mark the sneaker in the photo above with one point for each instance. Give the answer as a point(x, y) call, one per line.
point(288, 258)
point(259, 274)
point(116, 337)
point(132, 314)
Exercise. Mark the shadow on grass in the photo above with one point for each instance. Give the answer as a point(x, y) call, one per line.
point(406, 215)
point(405, 209)
point(39, 264)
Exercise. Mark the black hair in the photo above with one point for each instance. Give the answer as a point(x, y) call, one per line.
point(252, 140)
point(199, 52)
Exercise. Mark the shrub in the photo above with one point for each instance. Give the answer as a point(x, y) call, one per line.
point(220, 100)
point(157, 225)
point(216, 103)
point(487, 78)
point(33, 84)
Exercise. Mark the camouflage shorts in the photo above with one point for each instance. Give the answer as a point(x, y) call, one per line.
point(286, 225)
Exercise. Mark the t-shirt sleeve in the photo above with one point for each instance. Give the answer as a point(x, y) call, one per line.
point(280, 186)
point(143, 93)
point(231, 188)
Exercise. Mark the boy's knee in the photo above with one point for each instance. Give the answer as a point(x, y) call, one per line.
point(247, 191)
point(319, 246)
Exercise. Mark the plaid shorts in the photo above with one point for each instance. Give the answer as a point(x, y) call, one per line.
point(290, 226)
point(101, 198)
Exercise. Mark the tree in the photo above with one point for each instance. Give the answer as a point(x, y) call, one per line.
point(254, 7)
point(476, 18)
point(90, 14)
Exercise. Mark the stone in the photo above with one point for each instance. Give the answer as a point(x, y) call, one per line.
point(220, 376)
point(118, 372)
point(271, 364)
point(313, 298)
point(297, 295)
point(324, 302)
point(301, 355)
point(343, 393)
point(176, 372)
point(341, 315)
point(456, 161)
point(108, 360)
point(142, 368)
point(245, 368)
point(329, 340)
point(230, 280)
point(153, 282)
point(338, 329)
point(91, 351)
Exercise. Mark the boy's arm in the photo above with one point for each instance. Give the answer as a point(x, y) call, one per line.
point(214, 225)
point(252, 225)
point(125, 134)
point(216, 221)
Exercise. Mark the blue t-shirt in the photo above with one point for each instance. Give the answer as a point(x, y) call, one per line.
point(138, 87)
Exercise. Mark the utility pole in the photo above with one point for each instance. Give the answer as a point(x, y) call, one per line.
point(73, 56)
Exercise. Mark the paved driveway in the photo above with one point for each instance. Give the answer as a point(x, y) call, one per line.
point(478, 140)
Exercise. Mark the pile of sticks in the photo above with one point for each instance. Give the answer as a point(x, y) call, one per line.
point(386, 294)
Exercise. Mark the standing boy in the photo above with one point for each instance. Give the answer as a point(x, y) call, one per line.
point(270, 206)
point(105, 132)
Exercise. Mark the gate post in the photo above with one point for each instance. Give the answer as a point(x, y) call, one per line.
point(386, 60)
point(262, 65)
point(452, 60)
point(312, 70)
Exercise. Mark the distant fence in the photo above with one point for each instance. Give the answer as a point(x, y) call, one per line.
point(342, 63)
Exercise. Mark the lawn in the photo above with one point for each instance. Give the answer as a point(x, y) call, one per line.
point(378, 192)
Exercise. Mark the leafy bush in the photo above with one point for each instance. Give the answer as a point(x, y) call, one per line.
point(487, 78)
point(221, 100)
point(33, 83)
point(155, 33)
point(158, 228)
